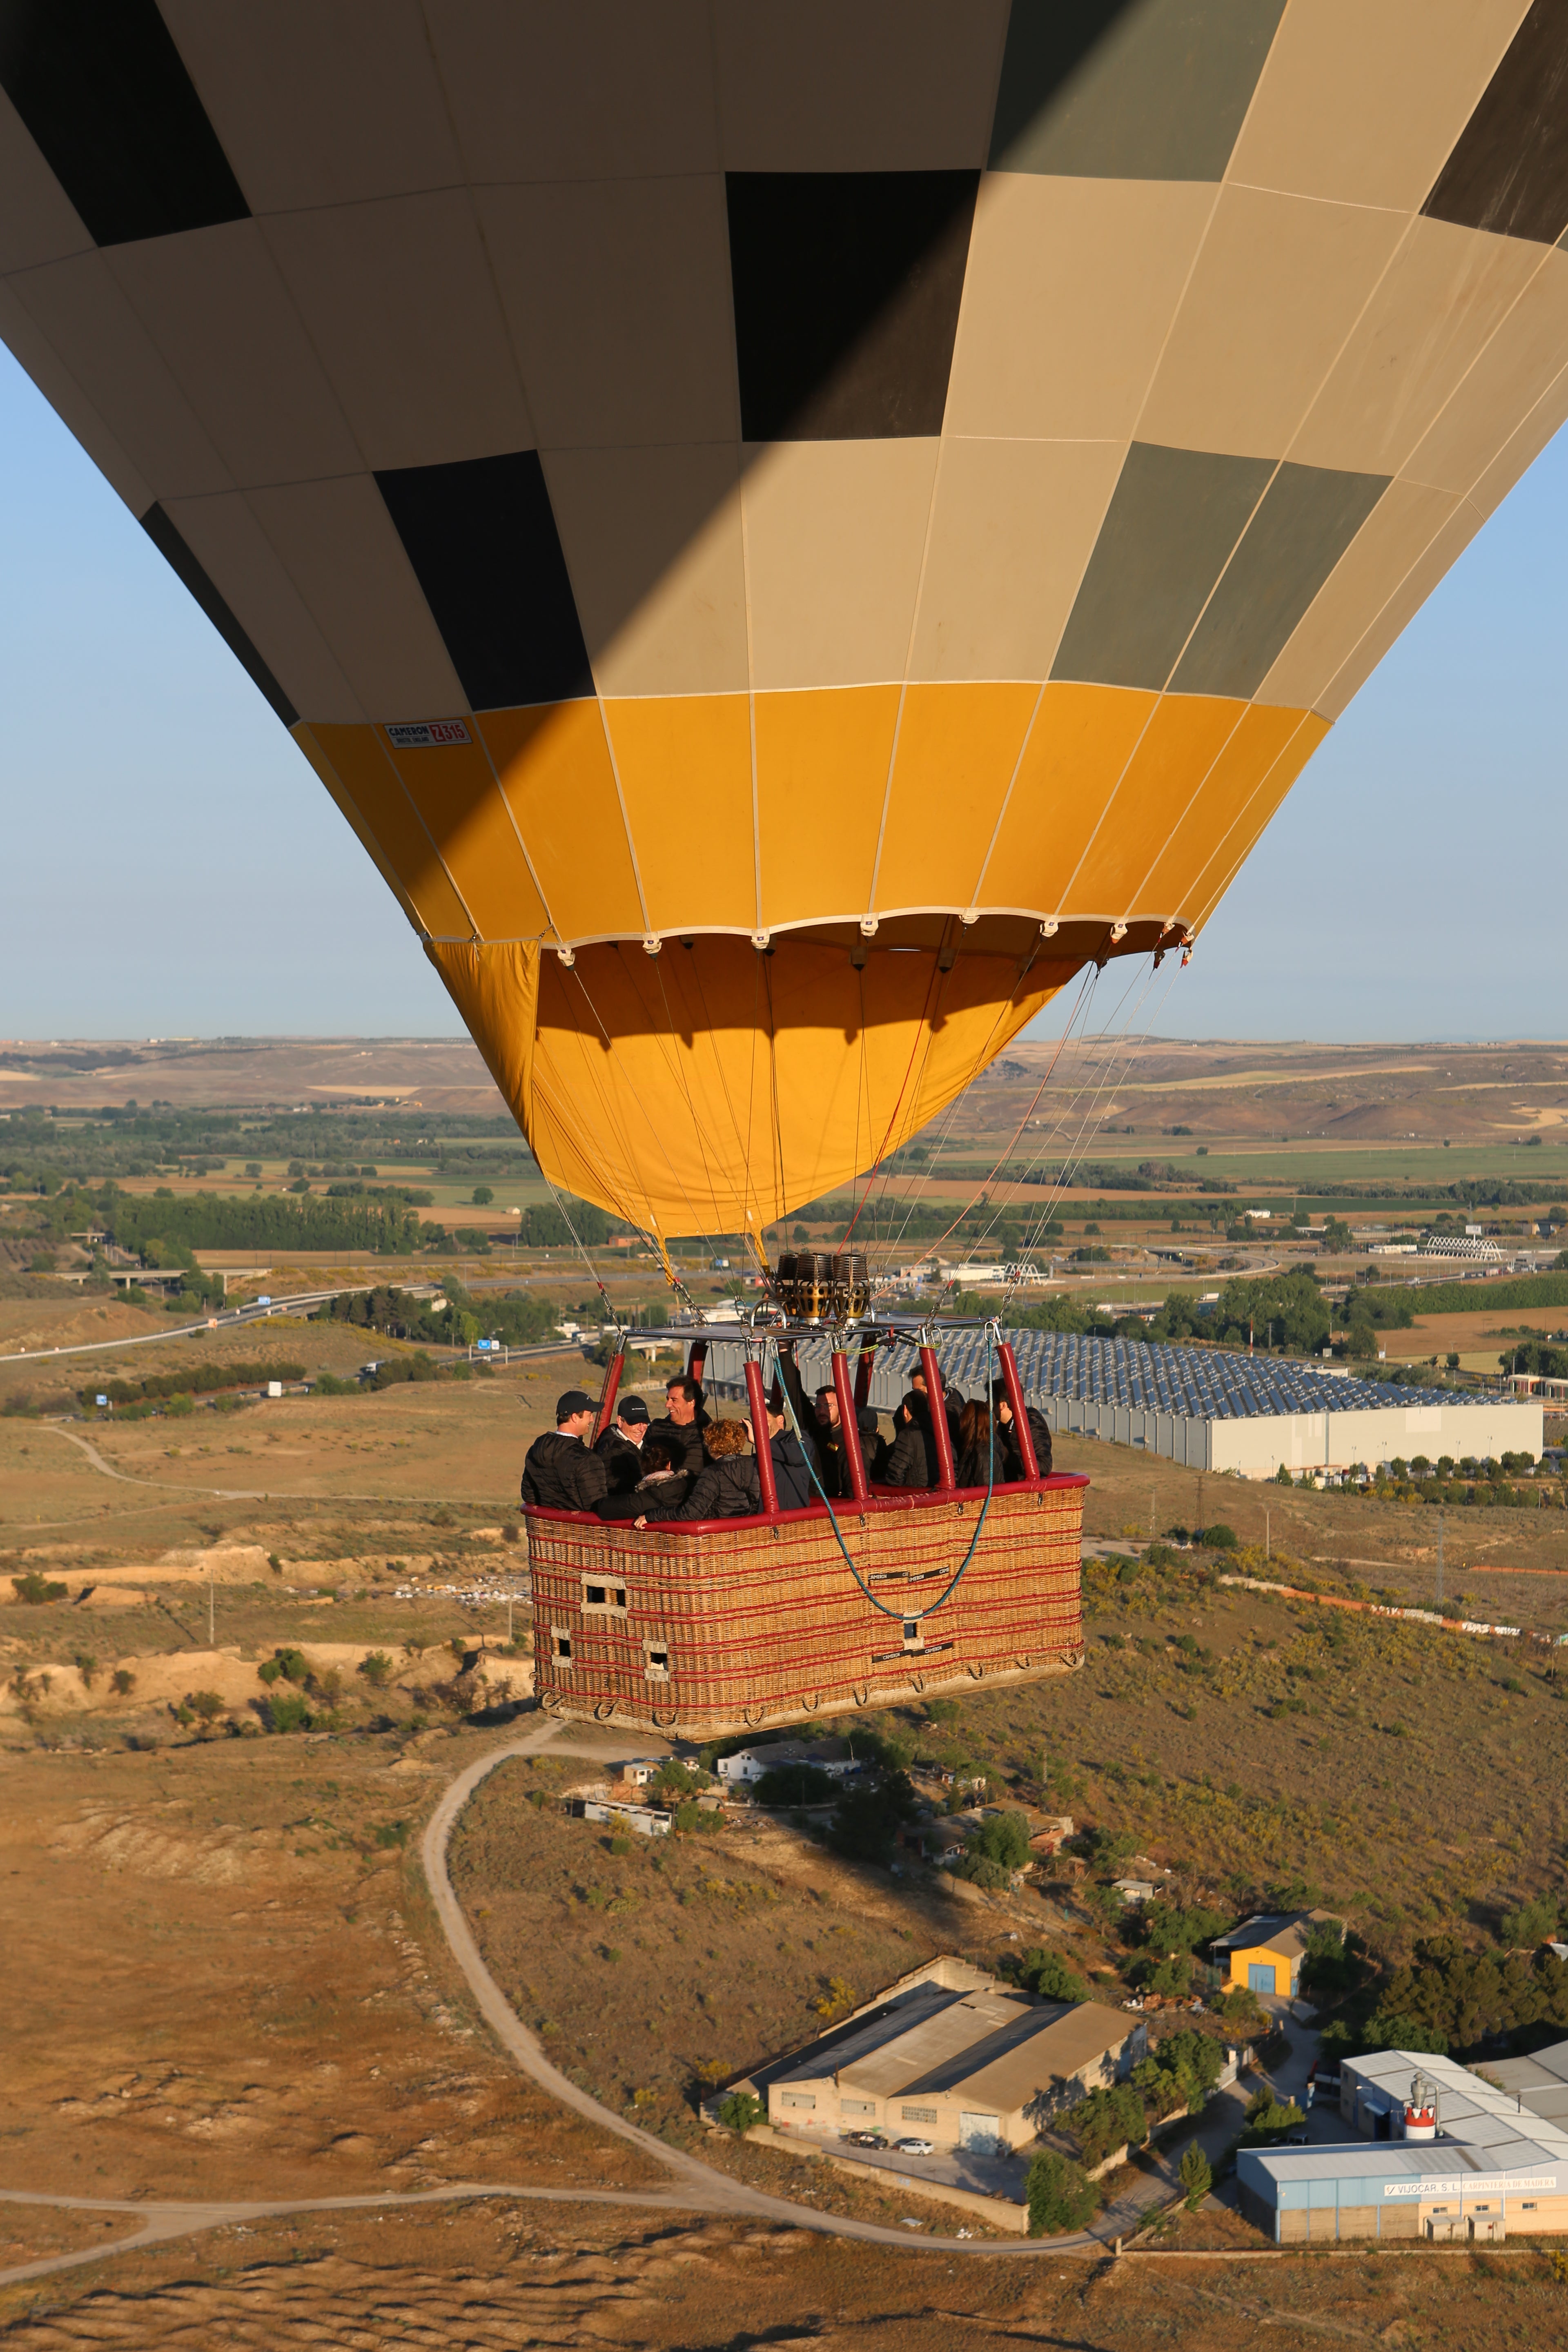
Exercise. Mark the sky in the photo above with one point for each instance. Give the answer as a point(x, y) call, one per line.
point(172, 867)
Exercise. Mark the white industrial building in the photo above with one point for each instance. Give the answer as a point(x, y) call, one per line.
point(1210, 1408)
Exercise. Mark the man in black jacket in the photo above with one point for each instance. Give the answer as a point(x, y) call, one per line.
point(791, 1474)
point(1010, 1462)
point(560, 1473)
point(906, 1463)
point(620, 1448)
point(686, 1418)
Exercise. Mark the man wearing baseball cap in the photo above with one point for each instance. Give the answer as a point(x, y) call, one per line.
point(560, 1473)
point(620, 1448)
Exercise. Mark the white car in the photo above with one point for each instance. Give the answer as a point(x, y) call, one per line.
point(914, 2147)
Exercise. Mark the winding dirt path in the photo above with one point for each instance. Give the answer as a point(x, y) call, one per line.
point(695, 2186)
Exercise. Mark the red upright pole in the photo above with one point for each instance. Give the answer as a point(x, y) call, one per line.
point(697, 1359)
point(1014, 1387)
point(936, 1405)
point(850, 1428)
point(863, 1371)
point(759, 1405)
point(607, 1400)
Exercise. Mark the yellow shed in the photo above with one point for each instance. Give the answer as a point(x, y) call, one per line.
point(1265, 1953)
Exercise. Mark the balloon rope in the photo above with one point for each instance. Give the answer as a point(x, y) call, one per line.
point(910, 1616)
point(1084, 993)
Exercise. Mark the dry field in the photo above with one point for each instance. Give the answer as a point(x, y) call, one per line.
point(224, 1979)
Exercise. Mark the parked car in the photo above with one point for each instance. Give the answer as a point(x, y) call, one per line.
point(1297, 2139)
point(915, 2146)
point(866, 2140)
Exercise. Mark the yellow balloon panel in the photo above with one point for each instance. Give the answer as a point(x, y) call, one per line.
point(711, 1088)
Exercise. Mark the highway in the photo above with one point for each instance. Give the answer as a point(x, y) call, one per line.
point(301, 1302)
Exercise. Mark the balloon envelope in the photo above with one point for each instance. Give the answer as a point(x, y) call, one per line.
point(785, 532)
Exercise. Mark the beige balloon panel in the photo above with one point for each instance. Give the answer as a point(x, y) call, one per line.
point(714, 1087)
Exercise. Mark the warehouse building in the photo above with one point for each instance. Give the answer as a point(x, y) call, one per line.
point(1209, 1408)
point(975, 2065)
point(1436, 2153)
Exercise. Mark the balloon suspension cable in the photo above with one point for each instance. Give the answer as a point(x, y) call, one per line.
point(560, 1201)
point(1045, 1213)
point(1085, 992)
point(911, 1616)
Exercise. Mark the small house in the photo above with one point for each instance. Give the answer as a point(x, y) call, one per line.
point(1264, 1954)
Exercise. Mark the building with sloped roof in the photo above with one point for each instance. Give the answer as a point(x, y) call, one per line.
point(1432, 2151)
point(980, 2066)
point(1265, 1953)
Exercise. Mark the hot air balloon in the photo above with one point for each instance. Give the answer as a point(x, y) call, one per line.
point(787, 532)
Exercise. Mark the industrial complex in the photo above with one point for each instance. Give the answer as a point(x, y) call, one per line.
point(1438, 2153)
point(1206, 1407)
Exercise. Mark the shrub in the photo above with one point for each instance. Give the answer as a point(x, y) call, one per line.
point(1059, 2196)
point(377, 1668)
point(287, 1711)
point(123, 1682)
point(269, 1671)
point(1266, 2119)
point(620, 1842)
point(392, 1833)
point(1219, 1538)
point(206, 1705)
point(981, 1871)
point(292, 1664)
point(35, 1588)
point(87, 1667)
point(701, 1819)
point(1196, 2178)
point(740, 2111)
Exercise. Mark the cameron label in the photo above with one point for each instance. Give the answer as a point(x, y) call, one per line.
point(419, 734)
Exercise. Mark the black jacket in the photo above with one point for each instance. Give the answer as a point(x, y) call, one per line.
point(687, 1439)
point(651, 1497)
point(1040, 1430)
point(560, 1474)
point(621, 1458)
point(791, 1474)
point(906, 1464)
point(726, 1489)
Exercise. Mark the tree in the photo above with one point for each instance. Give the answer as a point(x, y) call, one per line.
point(1048, 1975)
point(1059, 2194)
point(483, 1196)
point(866, 1825)
point(1109, 2119)
point(1004, 1838)
point(1196, 2178)
point(377, 1668)
point(794, 1784)
point(740, 2111)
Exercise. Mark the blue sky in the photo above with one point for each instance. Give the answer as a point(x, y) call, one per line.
point(173, 866)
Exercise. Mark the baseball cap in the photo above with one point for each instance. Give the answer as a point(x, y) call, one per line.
point(631, 1408)
point(573, 1401)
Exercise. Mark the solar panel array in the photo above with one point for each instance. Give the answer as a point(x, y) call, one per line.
point(1204, 1383)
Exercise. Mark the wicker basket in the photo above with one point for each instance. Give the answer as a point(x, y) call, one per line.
point(716, 1626)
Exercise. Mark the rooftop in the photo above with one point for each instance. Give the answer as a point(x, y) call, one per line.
point(1275, 1931)
point(999, 2048)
